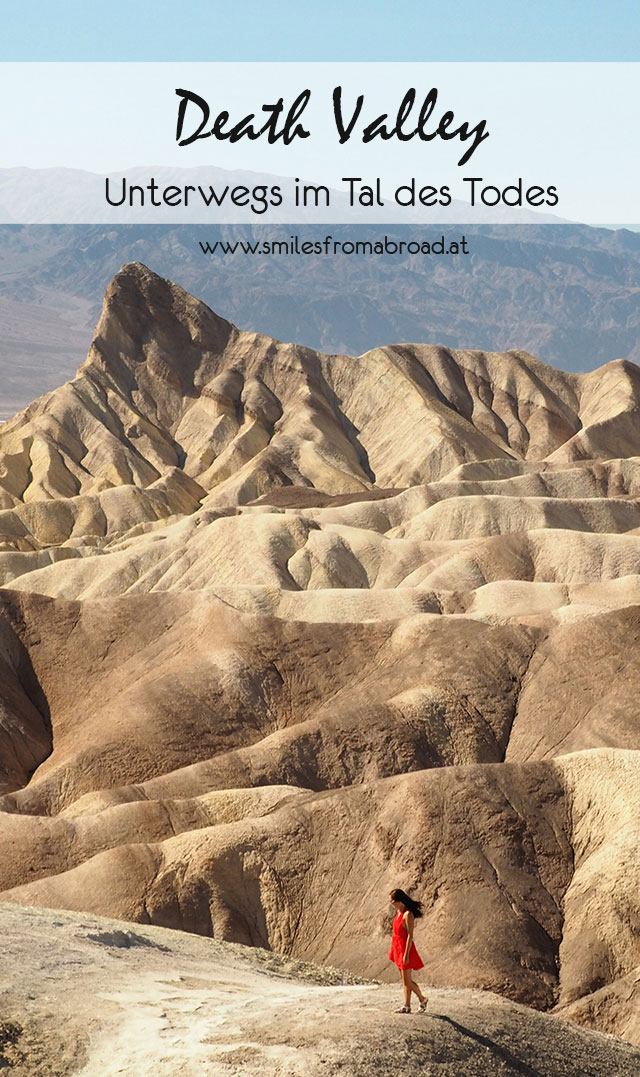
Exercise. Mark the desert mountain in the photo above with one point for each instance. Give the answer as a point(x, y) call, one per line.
point(282, 630)
point(566, 293)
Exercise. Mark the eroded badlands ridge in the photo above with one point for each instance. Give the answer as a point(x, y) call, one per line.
point(282, 630)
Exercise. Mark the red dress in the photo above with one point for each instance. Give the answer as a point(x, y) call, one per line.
point(399, 944)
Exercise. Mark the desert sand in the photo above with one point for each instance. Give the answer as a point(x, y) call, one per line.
point(94, 997)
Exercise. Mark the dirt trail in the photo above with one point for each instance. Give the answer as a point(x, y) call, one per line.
point(99, 998)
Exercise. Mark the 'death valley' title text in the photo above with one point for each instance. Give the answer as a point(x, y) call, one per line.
point(281, 124)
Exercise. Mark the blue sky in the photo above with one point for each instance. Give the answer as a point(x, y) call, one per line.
point(331, 30)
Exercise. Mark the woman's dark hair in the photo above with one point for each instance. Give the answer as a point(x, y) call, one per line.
point(413, 906)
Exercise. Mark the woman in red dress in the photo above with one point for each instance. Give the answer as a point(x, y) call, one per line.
point(403, 952)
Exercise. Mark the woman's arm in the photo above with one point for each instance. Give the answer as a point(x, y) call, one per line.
point(408, 920)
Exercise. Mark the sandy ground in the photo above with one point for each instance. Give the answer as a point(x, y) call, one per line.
point(99, 998)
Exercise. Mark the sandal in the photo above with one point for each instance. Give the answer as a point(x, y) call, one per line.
point(423, 1005)
point(404, 1009)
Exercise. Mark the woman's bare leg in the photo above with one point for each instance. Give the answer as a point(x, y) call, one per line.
point(416, 987)
point(407, 985)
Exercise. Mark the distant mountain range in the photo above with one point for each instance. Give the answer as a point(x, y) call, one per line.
point(566, 293)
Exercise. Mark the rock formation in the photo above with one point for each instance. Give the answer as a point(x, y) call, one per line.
point(280, 631)
point(567, 293)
